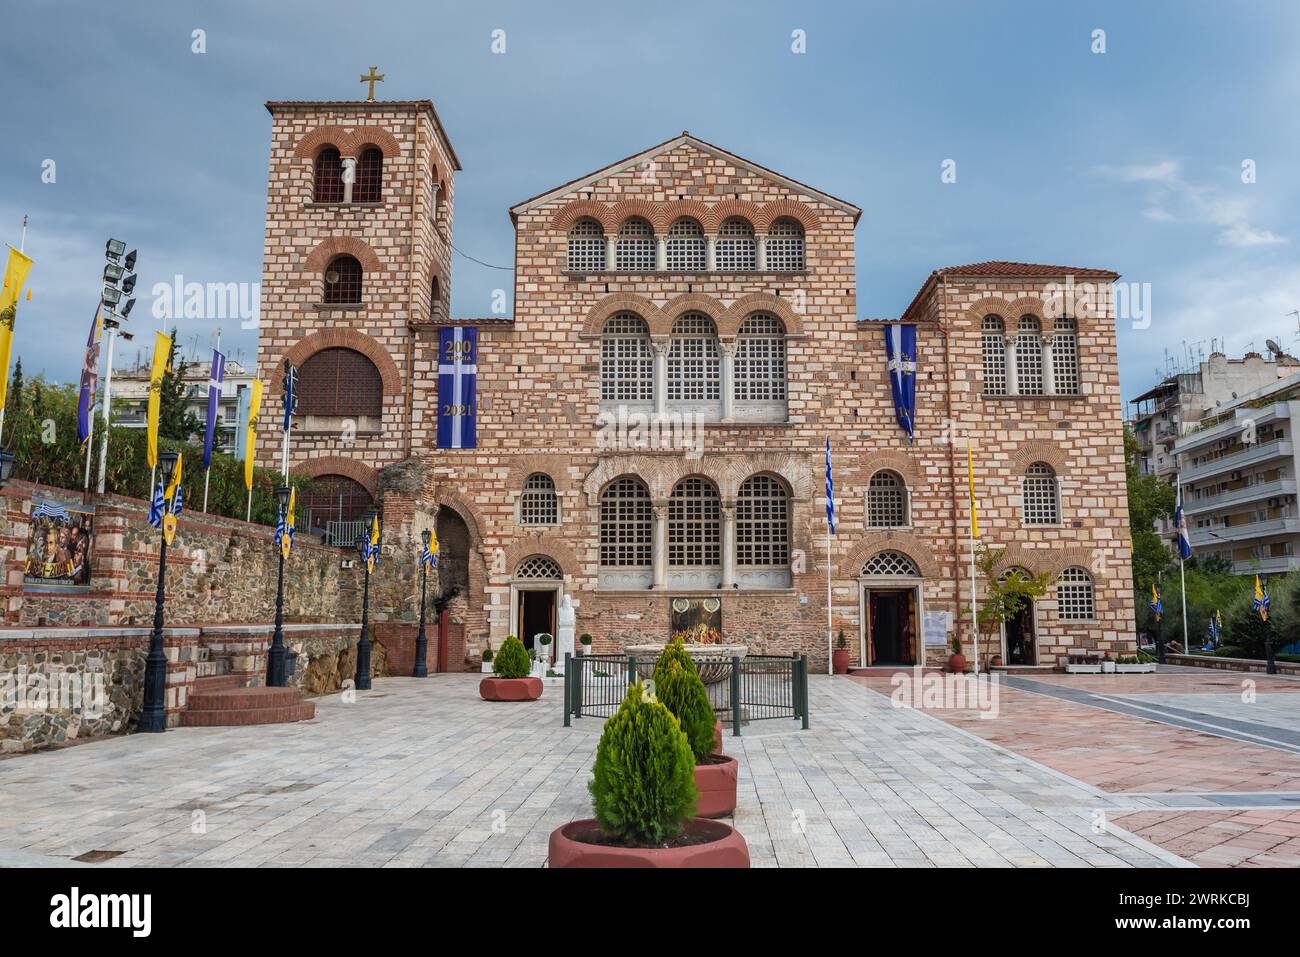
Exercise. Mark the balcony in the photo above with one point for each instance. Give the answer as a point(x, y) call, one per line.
point(1231, 426)
point(1238, 496)
point(1267, 528)
point(1248, 456)
point(1276, 565)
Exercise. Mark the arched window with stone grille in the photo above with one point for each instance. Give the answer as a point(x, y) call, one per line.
point(785, 246)
point(343, 281)
point(684, 251)
point(1041, 499)
point(327, 177)
point(539, 568)
point(626, 364)
point(369, 185)
point(735, 249)
point(1065, 356)
point(762, 523)
point(538, 504)
point(694, 524)
point(890, 564)
point(886, 500)
point(587, 246)
point(634, 250)
point(339, 382)
point(994, 338)
point(694, 364)
point(626, 524)
point(760, 360)
point(331, 503)
point(1074, 600)
point(1029, 356)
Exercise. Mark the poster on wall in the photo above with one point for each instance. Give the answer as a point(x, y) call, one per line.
point(58, 547)
point(697, 620)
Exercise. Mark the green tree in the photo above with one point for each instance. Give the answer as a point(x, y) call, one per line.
point(1149, 498)
point(14, 397)
point(176, 419)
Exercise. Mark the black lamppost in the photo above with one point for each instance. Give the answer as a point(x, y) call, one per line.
point(153, 716)
point(363, 644)
point(275, 659)
point(421, 669)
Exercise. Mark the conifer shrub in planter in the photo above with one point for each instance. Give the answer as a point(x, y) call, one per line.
point(511, 675)
point(487, 661)
point(840, 656)
point(956, 660)
point(644, 795)
point(678, 686)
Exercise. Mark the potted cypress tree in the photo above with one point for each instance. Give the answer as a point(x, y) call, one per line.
point(956, 660)
point(487, 660)
point(677, 684)
point(840, 656)
point(511, 679)
point(643, 792)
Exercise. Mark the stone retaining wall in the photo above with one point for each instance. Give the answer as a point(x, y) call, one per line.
point(1231, 664)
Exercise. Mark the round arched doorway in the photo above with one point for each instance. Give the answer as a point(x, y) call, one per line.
point(890, 587)
point(536, 587)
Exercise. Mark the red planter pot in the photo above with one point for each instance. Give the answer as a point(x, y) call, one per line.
point(510, 689)
point(840, 661)
point(717, 736)
point(570, 847)
point(717, 786)
point(957, 664)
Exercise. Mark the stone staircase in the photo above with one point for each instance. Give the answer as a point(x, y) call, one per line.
point(220, 699)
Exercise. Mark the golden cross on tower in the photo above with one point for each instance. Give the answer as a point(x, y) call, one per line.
point(372, 79)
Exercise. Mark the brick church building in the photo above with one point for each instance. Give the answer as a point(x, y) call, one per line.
point(652, 418)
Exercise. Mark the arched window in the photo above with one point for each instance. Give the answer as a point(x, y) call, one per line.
point(891, 564)
point(886, 500)
point(735, 250)
point(995, 356)
point(626, 524)
point(331, 504)
point(587, 246)
point(538, 504)
point(762, 523)
point(1041, 505)
point(626, 366)
point(343, 281)
point(694, 524)
point(685, 248)
point(327, 183)
point(539, 567)
point(634, 250)
point(1065, 357)
point(1074, 595)
point(785, 246)
point(339, 382)
point(694, 370)
point(1029, 356)
point(369, 187)
point(435, 296)
point(760, 359)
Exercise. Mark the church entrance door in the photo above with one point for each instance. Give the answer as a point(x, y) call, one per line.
point(537, 616)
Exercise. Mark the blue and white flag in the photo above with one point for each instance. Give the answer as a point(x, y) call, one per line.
point(900, 351)
point(241, 422)
point(156, 506)
point(290, 394)
point(215, 377)
point(830, 490)
point(1180, 523)
point(457, 388)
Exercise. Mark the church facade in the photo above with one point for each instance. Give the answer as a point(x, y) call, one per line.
point(652, 418)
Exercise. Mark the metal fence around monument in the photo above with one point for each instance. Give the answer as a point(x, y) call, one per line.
point(741, 690)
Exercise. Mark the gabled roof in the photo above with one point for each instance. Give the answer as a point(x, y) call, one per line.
point(684, 139)
point(1002, 269)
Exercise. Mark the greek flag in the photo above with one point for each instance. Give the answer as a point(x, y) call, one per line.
point(1260, 604)
point(1180, 523)
point(457, 388)
point(50, 510)
point(284, 524)
point(290, 394)
point(830, 490)
point(429, 556)
point(156, 506)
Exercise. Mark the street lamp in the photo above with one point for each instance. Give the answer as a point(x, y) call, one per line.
point(363, 644)
point(275, 665)
point(7, 463)
point(153, 716)
point(421, 669)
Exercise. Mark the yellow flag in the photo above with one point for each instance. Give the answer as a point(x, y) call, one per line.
point(176, 479)
point(970, 479)
point(250, 443)
point(16, 271)
point(162, 348)
point(286, 540)
point(374, 545)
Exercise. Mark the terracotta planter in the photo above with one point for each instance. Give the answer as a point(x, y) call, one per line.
point(717, 786)
point(995, 661)
point(717, 736)
point(725, 849)
point(957, 664)
point(840, 661)
point(510, 689)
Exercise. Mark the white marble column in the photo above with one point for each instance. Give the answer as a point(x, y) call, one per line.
point(728, 544)
point(728, 378)
point(659, 544)
point(1013, 377)
point(1049, 367)
point(611, 253)
point(760, 242)
point(660, 346)
point(661, 254)
point(710, 253)
point(349, 177)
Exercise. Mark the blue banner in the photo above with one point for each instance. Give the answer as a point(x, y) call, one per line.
point(457, 388)
point(215, 377)
point(900, 350)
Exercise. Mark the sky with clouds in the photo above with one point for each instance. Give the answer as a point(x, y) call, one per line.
point(1130, 159)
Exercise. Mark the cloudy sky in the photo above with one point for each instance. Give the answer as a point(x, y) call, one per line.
point(1130, 159)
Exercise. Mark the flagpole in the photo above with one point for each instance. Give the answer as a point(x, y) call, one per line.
point(830, 641)
point(974, 592)
point(108, 407)
point(1182, 573)
point(207, 470)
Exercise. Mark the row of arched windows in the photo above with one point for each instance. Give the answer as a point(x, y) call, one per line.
point(686, 248)
point(1030, 362)
point(330, 184)
point(888, 503)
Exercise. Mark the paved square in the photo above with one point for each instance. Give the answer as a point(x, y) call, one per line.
point(424, 773)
